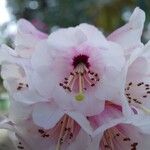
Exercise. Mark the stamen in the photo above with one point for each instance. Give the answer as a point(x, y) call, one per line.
point(112, 136)
point(66, 131)
point(84, 76)
point(58, 146)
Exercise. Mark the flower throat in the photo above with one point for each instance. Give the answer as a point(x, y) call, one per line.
point(81, 76)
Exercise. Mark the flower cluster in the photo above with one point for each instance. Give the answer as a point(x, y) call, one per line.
point(77, 89)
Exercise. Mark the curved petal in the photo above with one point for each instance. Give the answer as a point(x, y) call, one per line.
point(111, 116)
point(9, 70)
point(43, 83)
point(129, 36)
point(94, 36)
point(19, 111)
point(43, 52)
point(46, 115)
point(28, 97)
point(85, 142)
point(66, 38)
point(25, 34)
point(82, 121)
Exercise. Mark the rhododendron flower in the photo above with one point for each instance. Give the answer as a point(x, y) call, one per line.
point(78, 66)
point(77, 70)
point(27, 136)
point(119, 132)
point(137, 86)
point(67, 134)
point(61, 84)
point(115, 131)
point(124, 136)
point(12, 72)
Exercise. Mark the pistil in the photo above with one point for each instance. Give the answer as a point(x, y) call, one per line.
point(83, 77)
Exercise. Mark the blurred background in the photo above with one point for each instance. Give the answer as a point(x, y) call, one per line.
point(49, 15)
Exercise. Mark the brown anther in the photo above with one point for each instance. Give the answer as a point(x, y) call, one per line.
point(126, 139)
point(130, 83)
point(71, 73)
point(20, 83)
point(144, 96)
point(20, 147)
point(139, 84)
point(60, 84)
point(93, 84)
point(19, 87)
point(41, 131)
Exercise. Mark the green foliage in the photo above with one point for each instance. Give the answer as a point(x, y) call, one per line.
point(105, 14)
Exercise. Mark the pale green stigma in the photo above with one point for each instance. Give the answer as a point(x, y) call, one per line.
point(80, 96)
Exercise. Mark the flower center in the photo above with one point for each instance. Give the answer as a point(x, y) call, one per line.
point(64, 132)
point(81, 76)
point(138, 93)
point(113, 136)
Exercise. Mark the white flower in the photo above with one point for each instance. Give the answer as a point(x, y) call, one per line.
point(77, 68)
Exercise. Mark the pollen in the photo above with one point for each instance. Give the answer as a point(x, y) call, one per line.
point(81, 78)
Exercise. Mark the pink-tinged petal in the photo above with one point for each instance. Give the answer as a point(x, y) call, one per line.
point(94, 36)
point(19, 111)
point(34, 138)
point(87, 107)
point(46, 115)
point(10, 71)
point(9, 55)
point(66, 38)
point(44, 84)
point(141, 121)
point(111, 116)
point(26, 27)
point(18, 141)
point(124, 137)
point(27, 33)
point(43, 78)
point(81, 141)
point(23, 51)
point(43, 52)
point(82, 121)
point(85, 142)
point(129, 36)
point(137, 82)
point(13, 75)
point(14, 135)
point(111, 55)
point(28, 97)
point(146, 52)
point(6, 54)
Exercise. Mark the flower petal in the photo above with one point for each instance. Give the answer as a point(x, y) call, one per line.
point(94, 36)
point(82, 121)
point(129, 36)
point(28, 97)
point(46, 115)
point(66, 38)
